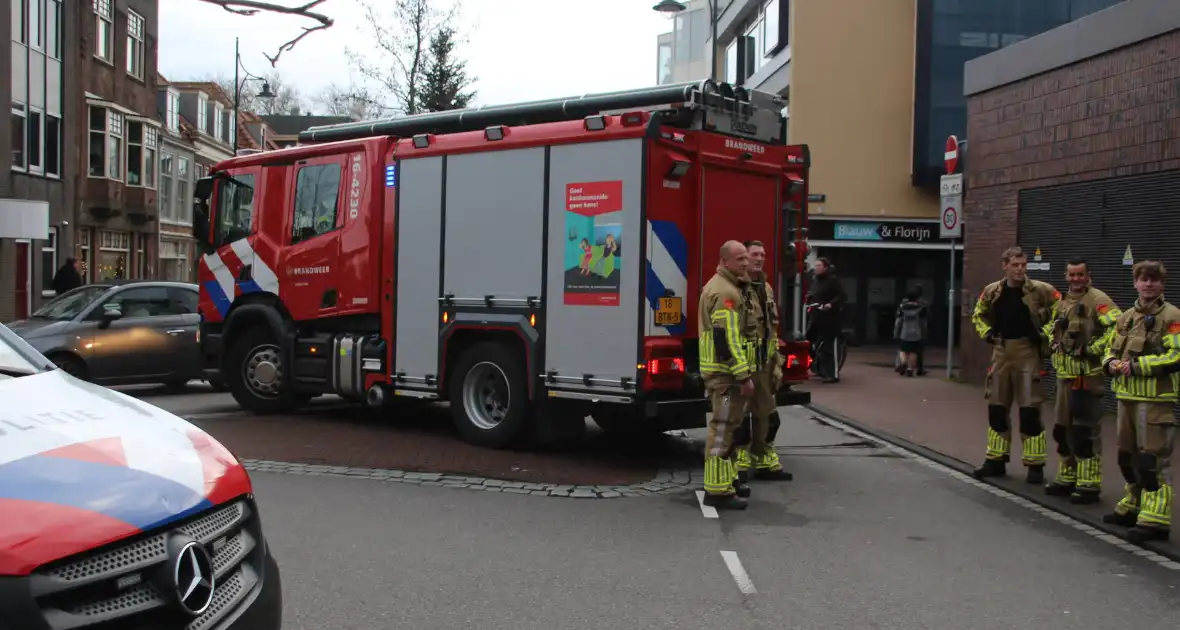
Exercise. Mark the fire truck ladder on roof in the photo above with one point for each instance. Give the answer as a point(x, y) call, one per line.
point(719, 107)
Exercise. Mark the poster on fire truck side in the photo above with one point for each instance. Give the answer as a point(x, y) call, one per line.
point(594, 241)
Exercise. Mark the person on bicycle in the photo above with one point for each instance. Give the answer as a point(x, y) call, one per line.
point(826, 319)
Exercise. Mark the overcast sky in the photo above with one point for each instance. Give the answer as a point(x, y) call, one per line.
point(518, 49)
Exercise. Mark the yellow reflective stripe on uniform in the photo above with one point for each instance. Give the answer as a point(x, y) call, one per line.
point(978, 318)
point(1153, 363)
point(1108, 319)
point(739, 365)
point(1099, 346)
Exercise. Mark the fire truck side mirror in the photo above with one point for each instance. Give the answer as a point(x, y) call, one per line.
point(201, 223)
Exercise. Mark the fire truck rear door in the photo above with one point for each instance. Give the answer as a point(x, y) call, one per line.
point(737, 205)
point(593, 298)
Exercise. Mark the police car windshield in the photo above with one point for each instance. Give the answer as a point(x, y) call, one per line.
point(17, 358)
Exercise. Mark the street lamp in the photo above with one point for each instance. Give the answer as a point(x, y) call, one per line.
point(238, 84)
point(672, 7)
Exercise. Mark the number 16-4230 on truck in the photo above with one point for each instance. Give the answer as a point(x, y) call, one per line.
point(530, 264)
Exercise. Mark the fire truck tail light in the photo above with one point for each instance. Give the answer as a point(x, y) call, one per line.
point(594, 123)
point(533, 320)
point(446, 317)
point(663, 364)
point(632, 119)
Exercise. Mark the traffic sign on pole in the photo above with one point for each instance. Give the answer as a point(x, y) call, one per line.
point(951, 215)
point(951, 157)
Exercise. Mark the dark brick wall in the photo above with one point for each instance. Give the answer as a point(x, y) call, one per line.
point(1116, 114)
point(111, 82)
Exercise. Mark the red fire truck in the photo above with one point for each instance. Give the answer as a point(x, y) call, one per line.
point(532, 264)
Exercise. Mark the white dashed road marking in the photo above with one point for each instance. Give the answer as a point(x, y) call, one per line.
point(1000, 492)
point(744, 584)
point(707, 511)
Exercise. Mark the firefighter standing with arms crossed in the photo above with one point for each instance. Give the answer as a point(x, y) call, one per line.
point(1080, 333)
point(1010, 315)
point(755, 439)
point(1144, 359)
point(724, 326)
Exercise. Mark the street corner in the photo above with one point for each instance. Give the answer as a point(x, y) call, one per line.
point(420, 446)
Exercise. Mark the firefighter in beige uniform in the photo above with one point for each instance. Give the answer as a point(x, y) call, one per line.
point(1143, 359)
point(1010, 315)
point(724, 327)
point(755, 439)
point(1079, 333)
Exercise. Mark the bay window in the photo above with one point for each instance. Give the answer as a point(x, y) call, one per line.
point(203, 112)
point(106, 143)
point(104, 39)
point(218, 119)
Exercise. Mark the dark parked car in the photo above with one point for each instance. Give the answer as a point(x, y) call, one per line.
point(120, 334)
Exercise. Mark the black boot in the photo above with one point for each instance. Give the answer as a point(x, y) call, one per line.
point(741, 489)
point(1035, 474)
point(1139, 534)
point(1055, 489)
point(725, 501)
point(743, 476)
point(990, 468)
point(773, 475)
point(1085, 496)
point(1122, 520)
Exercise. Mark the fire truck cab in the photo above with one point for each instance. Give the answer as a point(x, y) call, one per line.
point(530, 264)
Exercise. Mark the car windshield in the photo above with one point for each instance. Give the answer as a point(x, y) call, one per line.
point(69, 305)
point(17, 358)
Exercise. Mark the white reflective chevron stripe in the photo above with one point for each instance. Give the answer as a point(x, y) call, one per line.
point(665, 268)
point(262, 274)
point(224, 277)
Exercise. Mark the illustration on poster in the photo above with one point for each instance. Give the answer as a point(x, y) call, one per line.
point(1128, 259)
point(594, 242)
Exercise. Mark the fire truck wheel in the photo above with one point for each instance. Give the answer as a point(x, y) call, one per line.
point(489, 395)
point(256, 378)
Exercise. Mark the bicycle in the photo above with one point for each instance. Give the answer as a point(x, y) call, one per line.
point(819, 345)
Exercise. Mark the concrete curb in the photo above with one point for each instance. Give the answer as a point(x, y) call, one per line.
point(667, 481)
point(1020, 490)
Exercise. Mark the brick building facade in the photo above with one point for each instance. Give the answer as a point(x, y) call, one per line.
point(1086, 108)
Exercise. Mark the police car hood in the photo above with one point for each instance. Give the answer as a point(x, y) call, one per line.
point(82, 466)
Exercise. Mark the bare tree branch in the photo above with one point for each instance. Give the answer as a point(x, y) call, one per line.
point(253, 7)
point(395, 57)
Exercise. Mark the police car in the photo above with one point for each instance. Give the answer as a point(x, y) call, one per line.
point(117, 514)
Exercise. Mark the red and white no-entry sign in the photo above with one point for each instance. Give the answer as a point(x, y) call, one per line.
point(951, 157)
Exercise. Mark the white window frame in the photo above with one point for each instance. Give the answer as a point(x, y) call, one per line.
point(167, 196)
point(20, 13)
point(218, 121)
point(19, 109)
point(127, 154)
point(85, 253)
point(115, 241)
point(202, 112)
point(51, 247)
point(54, 33)
point(172, 110)
point(104, 31)
point(135, 45)
point(39, 168)
point(110, 131)
point(35, 10)
point(183, 179)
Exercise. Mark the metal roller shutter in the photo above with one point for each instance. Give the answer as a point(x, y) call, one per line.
point(1097, 221)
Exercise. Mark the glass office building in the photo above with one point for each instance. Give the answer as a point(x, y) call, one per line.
point(953, 32)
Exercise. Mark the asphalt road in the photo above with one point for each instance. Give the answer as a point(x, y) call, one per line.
point(862, 539)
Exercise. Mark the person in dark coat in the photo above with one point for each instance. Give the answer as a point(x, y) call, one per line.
point(67, 277)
